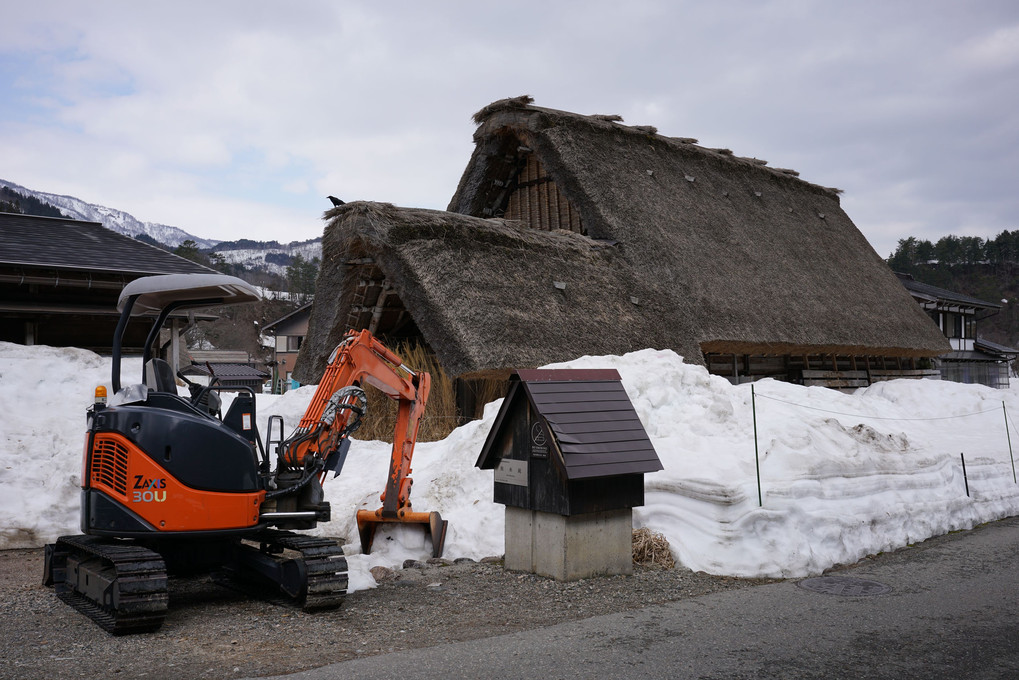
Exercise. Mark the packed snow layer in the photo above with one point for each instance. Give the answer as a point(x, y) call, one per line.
point(841, 475)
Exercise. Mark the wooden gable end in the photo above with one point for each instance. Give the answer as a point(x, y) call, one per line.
point(514, 184)
point(536, 200)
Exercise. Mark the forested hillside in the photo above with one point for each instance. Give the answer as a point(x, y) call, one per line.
point(14, 202)
point(987, 269)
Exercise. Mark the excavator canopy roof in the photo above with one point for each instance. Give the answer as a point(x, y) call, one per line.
point(188, 290)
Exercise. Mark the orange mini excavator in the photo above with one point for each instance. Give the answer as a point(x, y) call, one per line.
point(171, 485)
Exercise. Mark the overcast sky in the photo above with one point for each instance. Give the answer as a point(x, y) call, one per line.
point(236, 119)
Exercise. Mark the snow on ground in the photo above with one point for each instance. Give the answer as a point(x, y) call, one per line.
point(842, 475)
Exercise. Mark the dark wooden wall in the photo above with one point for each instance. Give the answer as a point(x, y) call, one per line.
point(538, 201)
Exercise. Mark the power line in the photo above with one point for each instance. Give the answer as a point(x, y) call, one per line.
point(856, 415)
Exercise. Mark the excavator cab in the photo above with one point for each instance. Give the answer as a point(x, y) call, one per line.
point(157, 463)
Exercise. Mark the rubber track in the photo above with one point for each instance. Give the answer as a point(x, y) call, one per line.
point(141, 581)
point(325, 565)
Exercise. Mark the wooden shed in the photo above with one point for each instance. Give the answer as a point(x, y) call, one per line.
point(568, 442)
point(569, 455)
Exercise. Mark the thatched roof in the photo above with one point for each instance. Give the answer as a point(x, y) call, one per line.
point(683, 247)
point(487, 295)
point(752, 258)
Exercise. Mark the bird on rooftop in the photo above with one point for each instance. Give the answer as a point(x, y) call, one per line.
point(336, 202)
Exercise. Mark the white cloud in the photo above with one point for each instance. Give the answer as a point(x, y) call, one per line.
point(998, 49)
point(238, 116)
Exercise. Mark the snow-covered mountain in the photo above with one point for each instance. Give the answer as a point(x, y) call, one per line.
point(273, 257)
point(270, 256)
point(117, 220)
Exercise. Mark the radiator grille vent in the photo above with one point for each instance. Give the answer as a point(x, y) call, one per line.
point(109, 464)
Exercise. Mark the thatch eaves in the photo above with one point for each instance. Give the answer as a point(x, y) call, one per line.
point(486, 295)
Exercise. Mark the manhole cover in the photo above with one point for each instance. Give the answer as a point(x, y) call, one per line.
point(845, 586)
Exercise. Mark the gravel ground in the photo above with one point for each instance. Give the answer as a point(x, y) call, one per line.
point(212, 632)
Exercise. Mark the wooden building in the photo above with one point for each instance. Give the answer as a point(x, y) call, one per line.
point(571, 235)
point(971, 359)
point(60, 280)
point(288, 335)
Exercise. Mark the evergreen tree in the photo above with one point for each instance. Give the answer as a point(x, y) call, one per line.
point(301, 277)
point(189, 251)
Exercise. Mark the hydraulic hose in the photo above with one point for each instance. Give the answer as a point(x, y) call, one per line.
point(309, 475)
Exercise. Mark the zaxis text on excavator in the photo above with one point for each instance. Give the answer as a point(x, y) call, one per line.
point(171, 485)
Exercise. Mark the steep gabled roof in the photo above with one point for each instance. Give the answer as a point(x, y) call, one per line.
point(754, 259)
point(650, 241)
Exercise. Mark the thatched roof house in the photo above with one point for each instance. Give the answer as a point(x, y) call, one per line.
point(572, 235)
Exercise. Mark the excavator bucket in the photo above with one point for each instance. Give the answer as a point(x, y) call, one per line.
point(434, 525)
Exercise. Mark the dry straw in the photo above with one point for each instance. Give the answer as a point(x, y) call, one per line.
point(440, 417)
point(651, 549)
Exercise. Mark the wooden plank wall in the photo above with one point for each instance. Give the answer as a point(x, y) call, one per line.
point(826, 370)
point(538, 201)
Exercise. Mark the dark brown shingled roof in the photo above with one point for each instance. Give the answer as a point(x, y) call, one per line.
point(592, 420)
point(56, 243)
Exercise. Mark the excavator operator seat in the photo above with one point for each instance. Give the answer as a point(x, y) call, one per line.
point(159, 376)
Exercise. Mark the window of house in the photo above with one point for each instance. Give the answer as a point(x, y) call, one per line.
point(953, 325)
point(281, 343)
point(294, 342)
point(970, 326)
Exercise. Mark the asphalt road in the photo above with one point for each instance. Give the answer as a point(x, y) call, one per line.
point(950, 609)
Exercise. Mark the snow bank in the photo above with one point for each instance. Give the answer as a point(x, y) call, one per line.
point(842, 475)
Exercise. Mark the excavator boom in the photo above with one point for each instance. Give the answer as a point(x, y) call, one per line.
point(335, 411)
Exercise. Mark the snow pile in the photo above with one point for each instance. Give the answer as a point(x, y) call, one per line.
point(842, 475)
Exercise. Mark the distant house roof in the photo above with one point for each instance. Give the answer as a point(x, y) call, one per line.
point(972, 355)
point(219, 356)
point(227, 372)
point(930, 293)
point(58, 243)
point(573, 234)
point(303, 310)
point(995, 348)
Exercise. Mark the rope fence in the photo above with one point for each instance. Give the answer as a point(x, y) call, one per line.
point(1009, 426)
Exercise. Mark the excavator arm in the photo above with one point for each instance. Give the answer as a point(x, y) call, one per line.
point(335, 412)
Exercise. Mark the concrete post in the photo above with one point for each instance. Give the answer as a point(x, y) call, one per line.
point(568, 548)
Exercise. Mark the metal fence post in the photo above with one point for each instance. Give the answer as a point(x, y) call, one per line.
point(757, 455)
